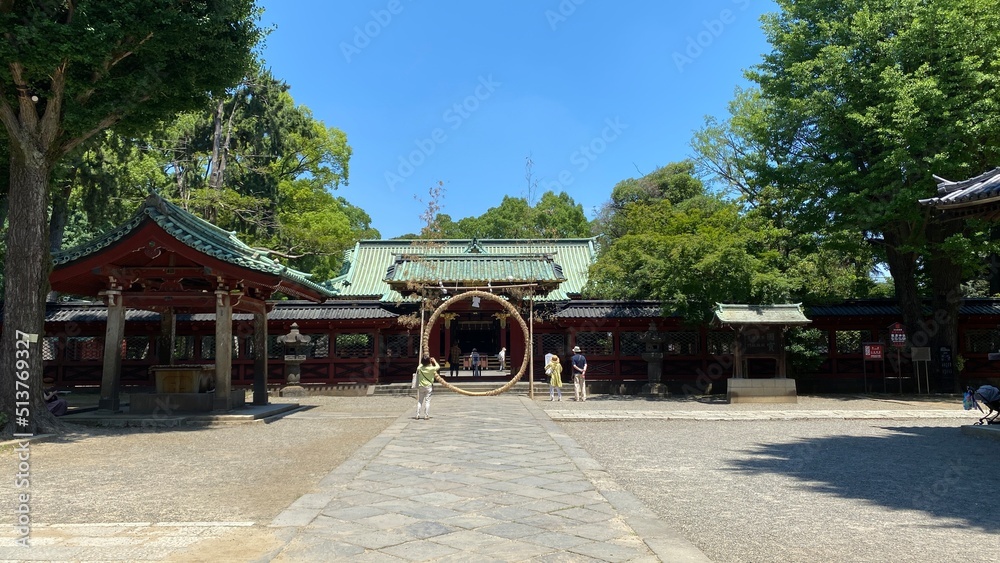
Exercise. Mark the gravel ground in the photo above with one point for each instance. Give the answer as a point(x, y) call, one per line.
point(830, 490)
point(245, 473)
point(798, 490)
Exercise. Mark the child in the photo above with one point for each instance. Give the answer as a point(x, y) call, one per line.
point(554, 370)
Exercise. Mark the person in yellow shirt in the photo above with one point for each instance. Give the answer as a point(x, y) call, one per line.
point(426, 372)
point(553, 369)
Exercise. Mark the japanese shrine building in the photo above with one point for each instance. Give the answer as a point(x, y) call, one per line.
point(168, 275)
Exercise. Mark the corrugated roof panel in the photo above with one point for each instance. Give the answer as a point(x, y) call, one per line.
point(610, 310)
point(283, 310)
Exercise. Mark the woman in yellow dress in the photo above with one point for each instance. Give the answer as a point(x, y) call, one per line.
point(554, 370)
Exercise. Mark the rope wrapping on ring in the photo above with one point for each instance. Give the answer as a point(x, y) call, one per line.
point(510, 309)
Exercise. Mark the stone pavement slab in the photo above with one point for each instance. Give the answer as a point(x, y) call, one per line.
point(486, 479)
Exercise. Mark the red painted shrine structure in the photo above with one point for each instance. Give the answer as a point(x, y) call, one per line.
point(149, 293)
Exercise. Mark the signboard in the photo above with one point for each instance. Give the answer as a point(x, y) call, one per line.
point(873, 351)
point(897, 335)
point(945, 366)
point(921, 354)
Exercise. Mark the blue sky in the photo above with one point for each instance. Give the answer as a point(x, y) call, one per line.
point(462, 92)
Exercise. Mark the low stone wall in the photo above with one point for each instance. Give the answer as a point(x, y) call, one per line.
point(762, 391)
point(336, 390)
point(171, 403)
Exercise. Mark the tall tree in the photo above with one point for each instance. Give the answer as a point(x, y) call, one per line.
point(553, 216)
point(674, 182)
point(871, 99)
point(70, 69)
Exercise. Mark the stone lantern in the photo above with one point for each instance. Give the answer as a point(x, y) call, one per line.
point(296, 346)
point(654, 362)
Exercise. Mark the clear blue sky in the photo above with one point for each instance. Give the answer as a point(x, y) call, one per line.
point(462, 92)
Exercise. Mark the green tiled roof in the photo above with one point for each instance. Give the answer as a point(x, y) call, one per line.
point(366, 268)
point(475, 270)
point(195, 233)
point(786, 314)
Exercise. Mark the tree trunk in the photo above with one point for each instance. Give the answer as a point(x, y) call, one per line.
point(60, 215)
point(903, 267)
point(27, 282)
point(946, 300)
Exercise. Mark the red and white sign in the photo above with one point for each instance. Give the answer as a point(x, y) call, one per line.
point(897, 335)
point(874, 351)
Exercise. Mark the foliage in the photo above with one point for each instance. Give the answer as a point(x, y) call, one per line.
point(689, 257)
point(72, 70)
point(864, 102)
point(803, 346)
point(267, 172)
point(554, 216)
point(674, 182)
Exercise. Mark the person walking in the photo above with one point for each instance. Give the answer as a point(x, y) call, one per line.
point(579, 363)
point(455, 359)
point(426, 372)
point(477, 370)
point(548, 358)
point(553, 369)
point(502, 356)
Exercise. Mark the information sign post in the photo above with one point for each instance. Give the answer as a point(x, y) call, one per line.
point(897, 335)
point(873, 352)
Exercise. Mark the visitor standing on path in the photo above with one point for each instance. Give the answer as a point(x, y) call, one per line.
point(456, 358)
point(426, 372)
point(579, 362)
point(502, 356)
point(553, 369)
point(477, 371)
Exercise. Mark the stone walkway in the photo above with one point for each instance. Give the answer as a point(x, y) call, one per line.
point(486, 479)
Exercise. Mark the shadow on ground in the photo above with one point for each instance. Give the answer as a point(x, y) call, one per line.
point(936, 470)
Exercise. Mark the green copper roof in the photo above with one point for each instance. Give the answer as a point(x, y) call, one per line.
point(472, 270)
point(196, 233)
point(366, 269)
point(785, 314)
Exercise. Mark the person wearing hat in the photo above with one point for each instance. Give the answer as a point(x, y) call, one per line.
point(579, 363)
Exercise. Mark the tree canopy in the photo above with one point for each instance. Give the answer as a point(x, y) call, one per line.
point(70, 70)
point(553, 216)
point(857, 107)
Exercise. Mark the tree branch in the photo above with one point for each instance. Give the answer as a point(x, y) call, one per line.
point(282, 254)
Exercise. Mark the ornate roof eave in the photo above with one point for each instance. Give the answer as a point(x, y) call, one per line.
point(202, 237)
point(977, 191)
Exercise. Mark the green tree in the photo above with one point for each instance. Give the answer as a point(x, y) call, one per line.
point(689, 256)
point(674, 182)
point(553, 216)
point(72, 69)
point(250, 161)
point(867, 100)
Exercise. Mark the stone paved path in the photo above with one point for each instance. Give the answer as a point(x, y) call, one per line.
point(486, 479)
